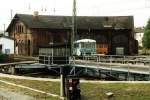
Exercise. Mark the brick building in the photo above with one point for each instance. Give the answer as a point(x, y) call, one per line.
point(32, 31)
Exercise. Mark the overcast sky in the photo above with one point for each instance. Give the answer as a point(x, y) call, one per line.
point(140, 9)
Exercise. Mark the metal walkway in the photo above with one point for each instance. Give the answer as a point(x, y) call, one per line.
point(120, 68)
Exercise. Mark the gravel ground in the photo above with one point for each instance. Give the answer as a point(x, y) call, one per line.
point(7, 95)
point(17, 96)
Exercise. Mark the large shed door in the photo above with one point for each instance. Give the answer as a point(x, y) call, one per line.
point(119, 50)
point(120, 45)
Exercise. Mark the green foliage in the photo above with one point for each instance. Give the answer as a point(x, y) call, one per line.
point(146, 37)
point(148, 25)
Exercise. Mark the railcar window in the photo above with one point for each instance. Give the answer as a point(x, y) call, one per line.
point(88, 44)
point(82, 45)
point(92, 44)
point(76, 45)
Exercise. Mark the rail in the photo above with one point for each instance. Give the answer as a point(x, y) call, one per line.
point(120, 59)
point(116, 59)
point(16, 63)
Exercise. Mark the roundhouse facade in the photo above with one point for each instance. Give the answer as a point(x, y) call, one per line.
point(113, 34)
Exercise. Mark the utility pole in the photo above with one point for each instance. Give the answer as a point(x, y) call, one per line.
point(74, 28)
point(11, 14)
point(62, 78)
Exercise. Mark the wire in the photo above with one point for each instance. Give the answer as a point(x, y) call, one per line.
point(144, 5)
point(129, 9)
point(54, 9)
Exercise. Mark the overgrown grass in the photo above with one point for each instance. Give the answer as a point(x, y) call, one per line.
point(122, 91)
point(89, 91)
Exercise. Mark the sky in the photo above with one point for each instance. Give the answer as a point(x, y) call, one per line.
point(140, 9)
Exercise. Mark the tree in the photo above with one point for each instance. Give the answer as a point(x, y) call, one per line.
point(146, 37)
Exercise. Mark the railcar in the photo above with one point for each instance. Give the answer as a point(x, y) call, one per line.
point(84, 47)
point(102, 49)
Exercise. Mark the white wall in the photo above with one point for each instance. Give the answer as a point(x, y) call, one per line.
point(7, 44)
point(139, 37)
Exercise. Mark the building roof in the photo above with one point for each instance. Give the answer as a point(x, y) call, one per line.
point(85, 40)
point(83, 22)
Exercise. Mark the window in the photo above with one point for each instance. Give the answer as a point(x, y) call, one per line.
point(7, 51)
point(76, 45)
point(19, 29)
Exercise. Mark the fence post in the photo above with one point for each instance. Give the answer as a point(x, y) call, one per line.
point(128, 76)
point(110, 59)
